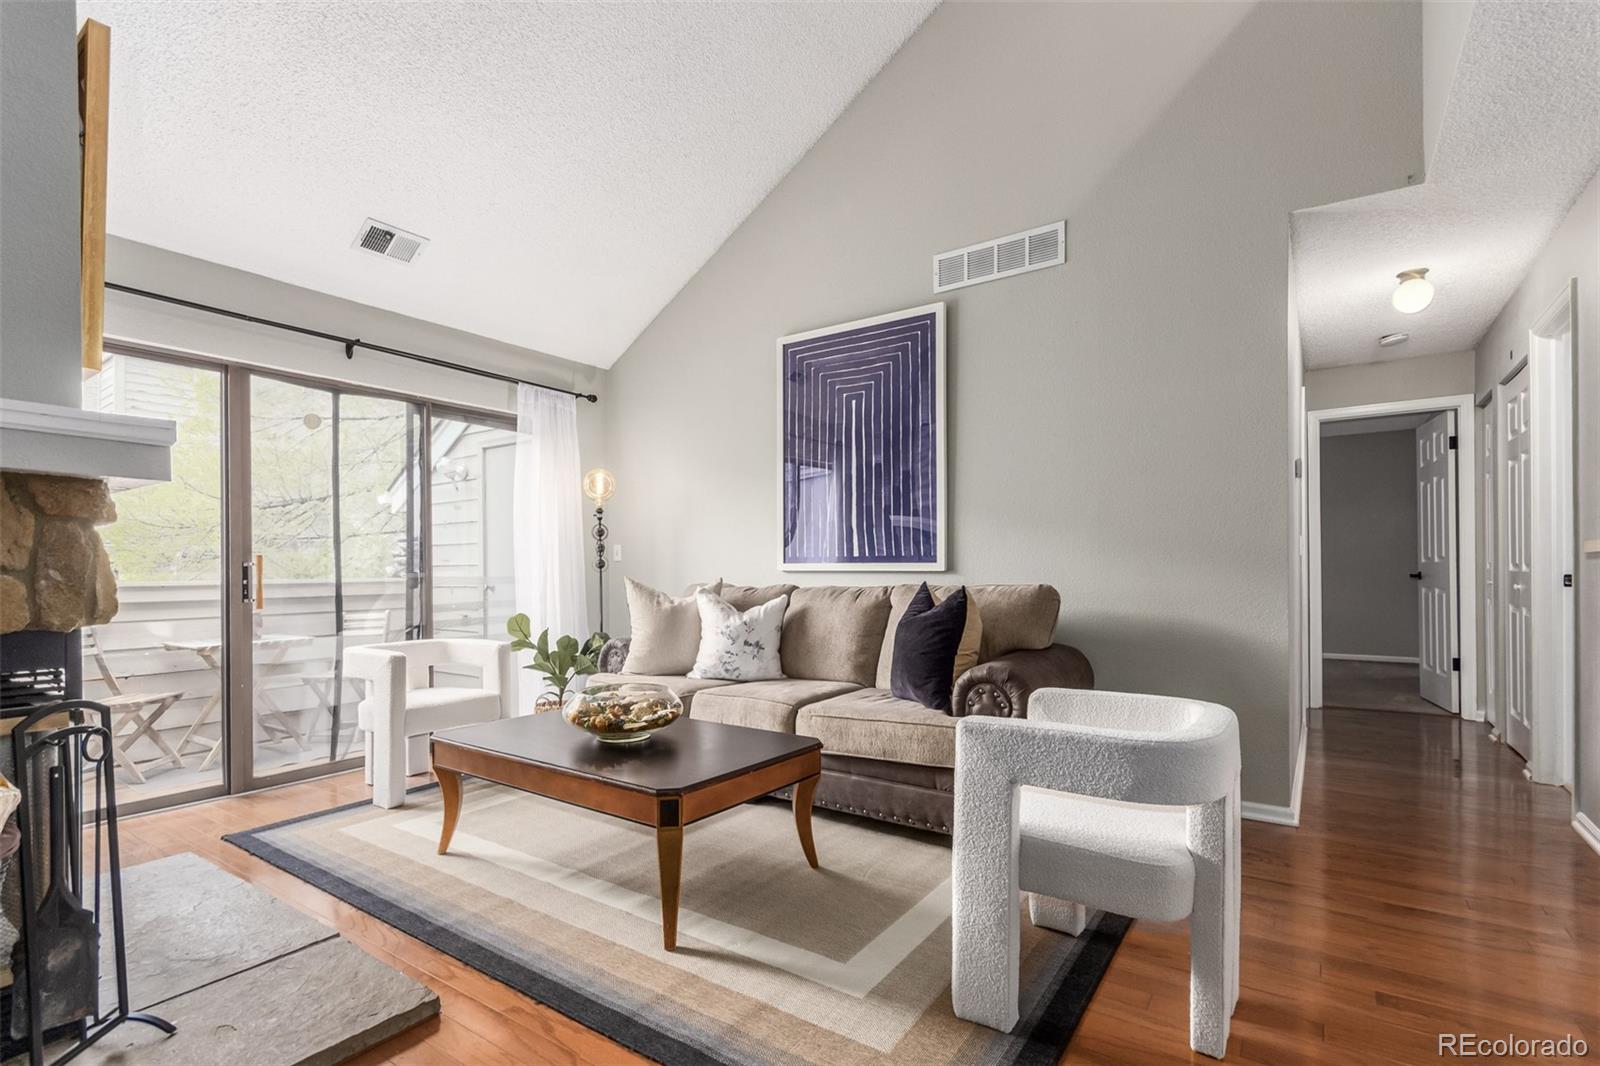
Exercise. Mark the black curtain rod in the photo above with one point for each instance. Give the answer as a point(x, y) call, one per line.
point(350, 343)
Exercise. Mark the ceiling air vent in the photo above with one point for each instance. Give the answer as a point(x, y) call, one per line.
point(1016, 253)
point(391, 242)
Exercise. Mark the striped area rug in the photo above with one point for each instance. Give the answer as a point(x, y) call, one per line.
point(777, 963)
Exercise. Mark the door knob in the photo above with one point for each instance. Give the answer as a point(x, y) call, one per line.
point(1416, 575)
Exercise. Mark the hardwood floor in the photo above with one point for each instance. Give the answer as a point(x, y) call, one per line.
point(1429, 889)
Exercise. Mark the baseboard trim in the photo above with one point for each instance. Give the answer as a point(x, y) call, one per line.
point(1268, 812)
point(1274, 813)
point(1410, 660)
point(1588, 832)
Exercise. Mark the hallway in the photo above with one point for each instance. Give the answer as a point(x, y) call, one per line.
point(1354, 685)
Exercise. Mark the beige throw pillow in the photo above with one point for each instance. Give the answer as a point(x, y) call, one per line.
point(971, 633)
point(664, 630)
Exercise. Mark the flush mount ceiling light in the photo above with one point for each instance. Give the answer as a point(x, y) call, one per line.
point(1389, 340)
point(1414, 292)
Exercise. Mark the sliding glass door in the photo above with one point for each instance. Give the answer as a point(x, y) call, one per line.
point(303, 518)
point(471, 525)
point(158, 664)
point(334, 562)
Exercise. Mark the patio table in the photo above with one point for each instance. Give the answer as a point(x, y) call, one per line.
point(272, 718)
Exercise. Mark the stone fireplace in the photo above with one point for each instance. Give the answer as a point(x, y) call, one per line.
point(54, 572)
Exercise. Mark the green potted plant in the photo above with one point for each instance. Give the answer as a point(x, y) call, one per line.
point(558, 665)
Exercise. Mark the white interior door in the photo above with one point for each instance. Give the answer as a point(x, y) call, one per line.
point(1436, 551)
point(1516, 551)
point(1490, 563)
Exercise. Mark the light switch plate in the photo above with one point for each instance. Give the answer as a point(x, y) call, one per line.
point(616, 553)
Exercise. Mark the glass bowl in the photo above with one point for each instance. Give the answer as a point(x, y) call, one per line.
point(622, 713)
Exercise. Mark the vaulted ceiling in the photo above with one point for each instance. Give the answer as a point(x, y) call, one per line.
point(572, 165)
point(1519, 140)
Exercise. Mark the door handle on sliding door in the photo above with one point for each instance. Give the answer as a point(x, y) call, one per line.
point(253, 582)
point(1416, 575)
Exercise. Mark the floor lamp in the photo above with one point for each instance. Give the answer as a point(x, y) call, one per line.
point(600, 485)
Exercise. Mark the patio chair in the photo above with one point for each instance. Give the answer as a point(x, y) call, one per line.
point(134, 715)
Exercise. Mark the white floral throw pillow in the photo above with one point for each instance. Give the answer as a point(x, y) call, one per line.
point(737, 646)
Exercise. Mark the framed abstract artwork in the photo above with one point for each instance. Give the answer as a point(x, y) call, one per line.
point(861, 444)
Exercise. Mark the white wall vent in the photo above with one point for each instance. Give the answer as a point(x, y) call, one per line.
point(1015, 253)
point(391, 242)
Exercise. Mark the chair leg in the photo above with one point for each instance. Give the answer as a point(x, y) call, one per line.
point(1061, 915)
point(986, 928)
point(1213, 928)
point(389, 775)
point(418, 759)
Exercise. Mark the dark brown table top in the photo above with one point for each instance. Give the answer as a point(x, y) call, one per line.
point(681, 757)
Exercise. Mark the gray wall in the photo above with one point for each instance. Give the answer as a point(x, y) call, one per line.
point(1418, 378)
point(1573, 252)
point(1369, 544)
point(40, 352)
point(1118, 426)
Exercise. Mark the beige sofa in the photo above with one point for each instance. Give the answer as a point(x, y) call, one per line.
point(883, 757)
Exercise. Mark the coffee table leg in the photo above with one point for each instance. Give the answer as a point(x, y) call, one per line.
point(803, 791)
point(669, 853)
point(450, 790)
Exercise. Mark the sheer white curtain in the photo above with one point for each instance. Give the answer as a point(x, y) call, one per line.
point(550, 559)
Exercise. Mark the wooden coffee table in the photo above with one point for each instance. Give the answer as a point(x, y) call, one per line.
point(685, 772)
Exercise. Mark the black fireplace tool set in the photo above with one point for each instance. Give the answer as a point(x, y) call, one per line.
point(56, 963)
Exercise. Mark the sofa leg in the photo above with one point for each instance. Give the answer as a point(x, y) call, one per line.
point(367, 750)
point(1061, 915)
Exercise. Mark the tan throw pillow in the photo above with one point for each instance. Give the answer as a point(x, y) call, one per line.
point(745, 597)
point(664, 630)
point(971, 636)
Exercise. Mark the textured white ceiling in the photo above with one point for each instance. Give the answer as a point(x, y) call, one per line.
point(573, 164)
point(1519, 141)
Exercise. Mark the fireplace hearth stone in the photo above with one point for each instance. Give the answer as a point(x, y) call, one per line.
point(248, 980)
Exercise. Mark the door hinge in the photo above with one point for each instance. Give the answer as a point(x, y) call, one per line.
point(1452, 442)
point(1455, 664)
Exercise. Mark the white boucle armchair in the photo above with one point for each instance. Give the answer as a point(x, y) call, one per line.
point(1120, 802)
point(401, 701)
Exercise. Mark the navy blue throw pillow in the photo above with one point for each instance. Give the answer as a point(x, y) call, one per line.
point(925, 645)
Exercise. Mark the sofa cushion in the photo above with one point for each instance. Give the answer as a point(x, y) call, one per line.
point(765, 704)
point(971, 637)
point(1015, 617)
point(665, 630)
point(745, 597)
point(832, 633)
point(684, 687)
point(873, 724)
